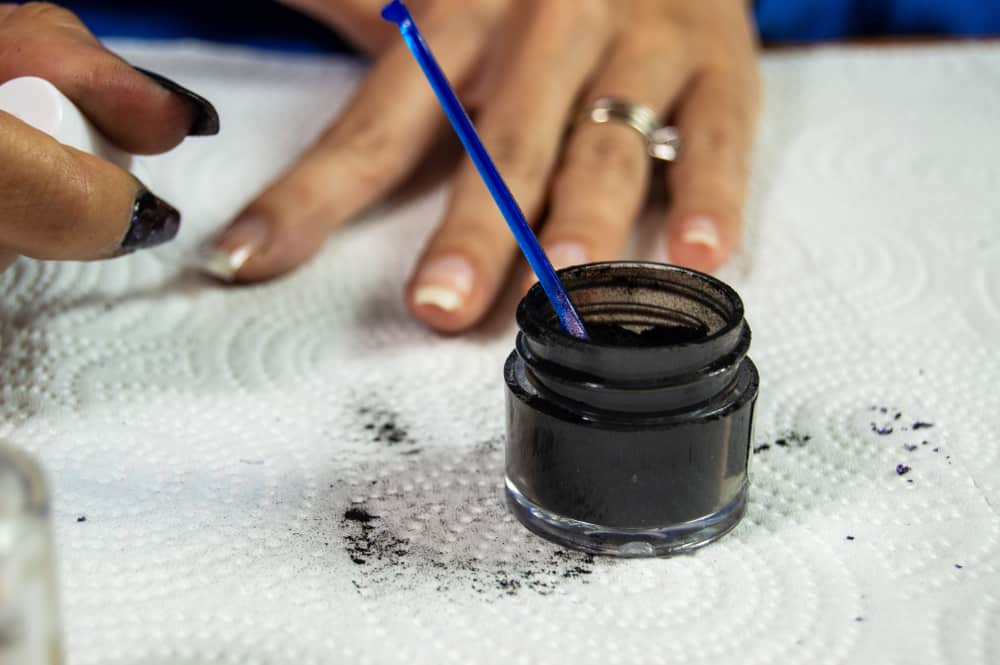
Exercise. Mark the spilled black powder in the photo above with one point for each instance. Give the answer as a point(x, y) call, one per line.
point(403, 524)
point(786, 440)
point(887, 427)
point(388, 562)
point(383, 426)
point(366, 542)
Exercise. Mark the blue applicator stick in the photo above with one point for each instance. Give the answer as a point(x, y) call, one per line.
point(397, 13)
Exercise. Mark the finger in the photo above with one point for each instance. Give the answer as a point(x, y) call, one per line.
point(138, 111)
point(604, 178)
point(6, 259)
point(388, 125)
point(60, 203)
point(467, 261)
point(708, 181)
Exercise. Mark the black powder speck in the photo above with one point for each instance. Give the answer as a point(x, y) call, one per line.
point(762, 448)
point(859, 619)
point(383, 426)
point(922, 425)
point(937, 450)
point(909, 447)
point(391, 433)
point(882, 430)
point(781, 442)
point(902, 469)
point(850, 537)
point(959, 566)
point(81, 519)
point(359, 515)
point(897, 416)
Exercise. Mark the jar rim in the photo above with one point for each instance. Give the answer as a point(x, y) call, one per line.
point(535, 316)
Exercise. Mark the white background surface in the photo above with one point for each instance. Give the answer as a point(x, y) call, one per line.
point(215, 437)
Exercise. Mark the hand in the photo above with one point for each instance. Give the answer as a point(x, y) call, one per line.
point(60, 203)
point(523, 65)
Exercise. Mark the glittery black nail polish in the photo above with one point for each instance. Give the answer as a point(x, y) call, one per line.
point(154, 222)
point(206, 118)
point(636, 442)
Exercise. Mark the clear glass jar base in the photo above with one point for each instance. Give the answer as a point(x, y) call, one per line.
point(623, 542)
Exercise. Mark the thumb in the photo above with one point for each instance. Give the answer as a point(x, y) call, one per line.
point(60, 203)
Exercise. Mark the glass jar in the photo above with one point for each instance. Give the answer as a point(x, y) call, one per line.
point(636, 442)
point(29, 618)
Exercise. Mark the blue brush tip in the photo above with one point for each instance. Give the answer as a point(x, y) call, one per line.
point(395, 11)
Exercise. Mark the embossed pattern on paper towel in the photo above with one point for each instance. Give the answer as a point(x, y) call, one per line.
point(296, 473)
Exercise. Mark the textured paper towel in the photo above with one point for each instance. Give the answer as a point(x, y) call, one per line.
point(296, 473)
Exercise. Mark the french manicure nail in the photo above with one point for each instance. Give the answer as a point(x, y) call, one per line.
point(206, 118)
point(444, 282)
point(244, 238)
point(701, 230)
point(567, 253)
point(154, 222)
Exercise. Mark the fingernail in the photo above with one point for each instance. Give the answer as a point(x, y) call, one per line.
point(567, 253)
point(154, 222)
point(444, 282)
point(701, 231)
point(206, 118)
point(244, 238)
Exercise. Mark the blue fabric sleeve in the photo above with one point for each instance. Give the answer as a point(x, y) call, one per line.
point(798, 20)
point(265, 23)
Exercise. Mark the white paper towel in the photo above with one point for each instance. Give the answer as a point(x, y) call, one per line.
point(216, 439)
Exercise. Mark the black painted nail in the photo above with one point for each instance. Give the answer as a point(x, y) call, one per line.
point(206, 118)
point(154, 222)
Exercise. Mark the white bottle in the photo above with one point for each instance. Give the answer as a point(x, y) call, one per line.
point(38, 103)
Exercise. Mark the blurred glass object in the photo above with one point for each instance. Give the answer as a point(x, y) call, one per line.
point(29, 616)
